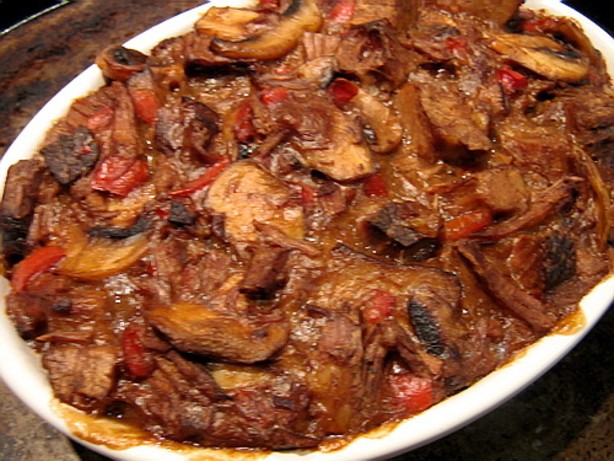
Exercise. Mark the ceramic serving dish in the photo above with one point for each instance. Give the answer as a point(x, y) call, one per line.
point(22, 372)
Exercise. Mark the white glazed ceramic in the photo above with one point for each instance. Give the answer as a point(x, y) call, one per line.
point(21, 370)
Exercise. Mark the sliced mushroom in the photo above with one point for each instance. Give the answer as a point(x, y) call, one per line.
point(226, 23)
point(119, 63)
point(201, 330)
point(543, 56)
point(300, 16)
point(245, 194)
point(100, 258)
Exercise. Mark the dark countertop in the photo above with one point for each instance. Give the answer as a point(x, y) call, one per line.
point(567, 415)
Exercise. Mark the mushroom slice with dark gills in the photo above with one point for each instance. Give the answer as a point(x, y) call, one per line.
point(119, 63)
point(245, 194)
point(202, 330)
point(300, 16)
point(543, 56)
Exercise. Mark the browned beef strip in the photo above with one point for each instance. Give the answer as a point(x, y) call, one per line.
point(525, 306)
point(455, 121)
point(188, 126)
point(81, 376)
point(176, 401)
point(17, 207)
point(265, 272)
point(543, 204)
point(71, 157)
point(28, 314)
point(373, 48)
point(273, 415)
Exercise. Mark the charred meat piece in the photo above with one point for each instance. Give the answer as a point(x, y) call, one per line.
point(189, 126)
point(119, 63)
point(22, 185)
point(397, 222)
point(71, 157)
point(559, 261)
point(81, 376)
point(201, 330)
point(265, 272)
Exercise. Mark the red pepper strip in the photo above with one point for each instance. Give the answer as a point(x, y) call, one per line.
point(138, 363)
point(379, 308)
point(343, 11)
point(413, 393)
point(374, 186)
point(146, 104)
point(202, 181)
point(511, 80)
point(464, 225)
point(119, 175)
point(274, 95)
point(342, 91)
point(244, 128)
point(40, 260)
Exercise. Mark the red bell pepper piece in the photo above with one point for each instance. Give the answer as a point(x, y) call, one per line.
point(137, 361)
point(202, 181)
point(379, 308)
point(464, 225)
point(274, 95)
point(412, 393)
point(119, 175)
point(343, 11)
point(511, 80)
point(146, 104)
point(244, 128)
point(374, 186)
point(342, 91)
point(40, 260)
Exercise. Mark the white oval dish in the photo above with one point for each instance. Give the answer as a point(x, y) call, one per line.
point(22, 372)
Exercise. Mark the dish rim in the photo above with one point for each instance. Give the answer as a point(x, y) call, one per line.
point(20, 368)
